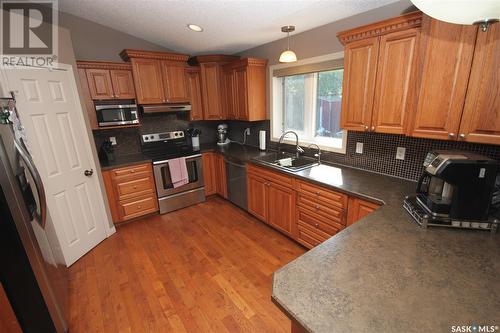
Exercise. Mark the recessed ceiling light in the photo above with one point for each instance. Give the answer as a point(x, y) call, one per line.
point(195, 27)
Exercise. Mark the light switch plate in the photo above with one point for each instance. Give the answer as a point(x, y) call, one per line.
point(400, 153)
point(112, 139)
point(359, 147)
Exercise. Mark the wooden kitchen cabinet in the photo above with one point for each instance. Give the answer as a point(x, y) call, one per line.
point(131, 191)
point(159, 77)
point(214, 174)
point(380, 62)
point(123, 83)
point(99, 81)
point(359, 208)
point(271, 198)
point(193, 81)
point(88, 104)
point(245, 89)
point(481, 116)
point(446, 53)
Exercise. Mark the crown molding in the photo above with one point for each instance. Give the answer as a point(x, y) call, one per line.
point(103, 65)
point(403, 22)
point(127, 54)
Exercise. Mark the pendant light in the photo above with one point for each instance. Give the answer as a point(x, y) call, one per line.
point(478, 12)
point(288, 55)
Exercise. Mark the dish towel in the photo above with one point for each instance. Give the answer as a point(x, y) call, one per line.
point(178, 171)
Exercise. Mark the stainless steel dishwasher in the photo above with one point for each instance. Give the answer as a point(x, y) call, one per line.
point(236, 173)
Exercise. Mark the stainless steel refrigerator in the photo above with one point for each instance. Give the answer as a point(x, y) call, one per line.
point(33, 272)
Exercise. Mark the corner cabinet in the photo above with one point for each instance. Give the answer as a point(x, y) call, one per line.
point(159, 77)
point(379, 71)
point(193, 81)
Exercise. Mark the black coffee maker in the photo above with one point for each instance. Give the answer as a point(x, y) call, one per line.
point(457, 185)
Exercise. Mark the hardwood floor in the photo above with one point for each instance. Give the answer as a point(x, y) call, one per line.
point(206, 268)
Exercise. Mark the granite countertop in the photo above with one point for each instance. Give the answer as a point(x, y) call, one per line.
point(124, 160)
point(234, 151)
point(387, 274)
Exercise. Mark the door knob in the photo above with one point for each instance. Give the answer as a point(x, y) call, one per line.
point(88, 173)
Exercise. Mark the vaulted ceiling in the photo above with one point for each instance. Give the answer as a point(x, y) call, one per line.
point(229, 26)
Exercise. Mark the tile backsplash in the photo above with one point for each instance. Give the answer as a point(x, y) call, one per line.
point(379, 150)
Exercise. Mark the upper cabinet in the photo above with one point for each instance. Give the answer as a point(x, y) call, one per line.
point(245, 89)
point(422, 77)
point(193, 81)
point(212, 84)
point(159, 77)
point(379, 71)
point(446, 56)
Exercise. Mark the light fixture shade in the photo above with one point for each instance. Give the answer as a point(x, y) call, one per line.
point(460, 11)
point(288, 56)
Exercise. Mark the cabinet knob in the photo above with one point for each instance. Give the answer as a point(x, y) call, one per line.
point(116, 96)
point(132, 171)
point(317, 192)
point(373, 128)
point(366, 128)
point(317, 207)
point(462, 135)
point(316, 225)
point(139, 207)
point(451, 135)
point(135, 187)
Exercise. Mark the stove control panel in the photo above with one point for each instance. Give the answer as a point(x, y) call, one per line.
point(165, 136)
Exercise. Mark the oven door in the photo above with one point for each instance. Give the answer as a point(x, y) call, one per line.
point(164, 186)
point(115, 115)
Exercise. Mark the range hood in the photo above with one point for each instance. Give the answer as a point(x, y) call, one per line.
point(166, 108)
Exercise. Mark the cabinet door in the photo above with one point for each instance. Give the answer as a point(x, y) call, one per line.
point(358, 209)
point(209, 174)
point(174, 81)
point(481, 116)
point(123, 84)
point(257, 196)
point(211, 88)
point(99, 81)
point(241, 93)
point(228, 88)
point(147, 79)
point(87, 100)
point(395, 87)
point(281, 209)
point(446, 52)
point(194, 92)
point(360, 68)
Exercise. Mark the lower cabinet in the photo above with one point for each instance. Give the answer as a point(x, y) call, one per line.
point(359, 208)
point(308, 213)
point(214, 174)
point(131, 192)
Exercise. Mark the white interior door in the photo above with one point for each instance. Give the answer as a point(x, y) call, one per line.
point(50, 111)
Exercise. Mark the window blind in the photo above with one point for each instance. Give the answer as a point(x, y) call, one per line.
point(310, 68)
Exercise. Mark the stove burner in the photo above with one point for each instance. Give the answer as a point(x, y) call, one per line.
point(166, 145)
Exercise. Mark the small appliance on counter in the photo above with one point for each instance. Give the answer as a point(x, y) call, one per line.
point(106, 152)
point(194, 135)
point(222, 138)
point(262, 140)
point(457, 189)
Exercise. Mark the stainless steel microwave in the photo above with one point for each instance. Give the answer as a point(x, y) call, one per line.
point(117, 114)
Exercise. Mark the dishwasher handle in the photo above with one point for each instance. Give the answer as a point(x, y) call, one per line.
point(238, 165)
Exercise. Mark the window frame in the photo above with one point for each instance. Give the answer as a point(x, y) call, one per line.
point(276, 105)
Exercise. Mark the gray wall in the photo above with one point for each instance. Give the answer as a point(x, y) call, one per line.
point(323, 40)
point(93, 41)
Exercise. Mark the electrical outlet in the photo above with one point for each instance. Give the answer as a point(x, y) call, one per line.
point(359, 147)
point(400, 153)
point(112, 139)
point(247, 131)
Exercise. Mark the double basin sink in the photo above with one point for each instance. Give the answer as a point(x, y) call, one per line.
point(288, 161)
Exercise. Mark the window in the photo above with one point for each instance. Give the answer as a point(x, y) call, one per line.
point(310, 105)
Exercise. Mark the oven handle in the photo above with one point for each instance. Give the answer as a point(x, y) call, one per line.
point(187, 158)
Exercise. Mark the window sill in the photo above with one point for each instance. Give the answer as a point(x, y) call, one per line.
point(322, 146)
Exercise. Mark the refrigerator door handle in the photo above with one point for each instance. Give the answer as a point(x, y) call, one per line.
point(42, 215)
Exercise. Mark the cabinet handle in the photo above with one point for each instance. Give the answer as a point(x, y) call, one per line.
point(451, 135)
point(116, 96)
point(317, 207)
point(316, 225)
point(462, 135)
point(373, 128)
point(132, 171)
point(317, 193)
point(135, 187)
point(366, 128)
point(139, 207)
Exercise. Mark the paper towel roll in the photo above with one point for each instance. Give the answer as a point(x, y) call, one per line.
point(262, 140)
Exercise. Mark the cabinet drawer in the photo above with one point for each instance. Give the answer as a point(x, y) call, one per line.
point(131, 188)
point(329, 197)
point(132, 170)
point(274, 176)
point(317, 222)
point(310, 236)
point(138, 206)
point(330, 212)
